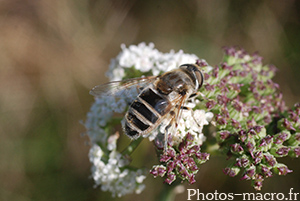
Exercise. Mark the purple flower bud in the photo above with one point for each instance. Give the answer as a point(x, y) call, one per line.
point(225, 66)
point(201, 63)
point(234, 73)
point(266, 171)
point(251, 131)
point(268, 119)
point(170, 166)
point(249, 173)
point(257, 128)
point(215, 72)
point(229, 51)
point(283, 169)
point(266, 141)
point(206, 76)
point(192, 165)
point(224, 90)
point(220, 120)
point(250, 146)
point(254, 76)
point(297, 151)
point(170, 153)
point(184, 159)
point(236, 148)
point(258, 156)
point(258, 182)
point(242, 135)
point(183, 146)
point(225, 113)
point(241, 53)
point(293, 116)
point(270, 159)
point(170, 178)
point(182, 170)
point(202, 156)
point(165, 158)
point(242, 162)
point(256, 59)
point(232, 172)
point(222, 100)
point(236, 124)
point(243, 73)
point(264, 73)
point(271, 83)
point(237, 105)
point(238, 163)
point(189, 138)
point(246, 67)
point(297, 108)
point(193, 150)
point(210, 104)
point(288, 125)
point(281, 137)
point(158, 171)
point(257, 96)
point(251, 123)
point(224, 135)
point(297, 136)
point(209, 87)
point(192, 179)
point(252, 87)
point(272, 68)
point(283, 151)
point(256, 109)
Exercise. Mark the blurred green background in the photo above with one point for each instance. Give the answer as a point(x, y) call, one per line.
point(53, 52)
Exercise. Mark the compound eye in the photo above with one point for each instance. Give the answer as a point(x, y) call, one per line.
point(194, 71)
point(199, 77)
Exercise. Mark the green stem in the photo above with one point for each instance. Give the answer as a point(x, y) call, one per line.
point(132, 146)
point(168, 193)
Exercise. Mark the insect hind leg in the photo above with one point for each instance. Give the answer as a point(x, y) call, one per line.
point(170, 129)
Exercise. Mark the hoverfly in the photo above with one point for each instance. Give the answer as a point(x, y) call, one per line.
point(162, 98)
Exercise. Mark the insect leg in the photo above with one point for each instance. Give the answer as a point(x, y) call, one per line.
point(171, 127)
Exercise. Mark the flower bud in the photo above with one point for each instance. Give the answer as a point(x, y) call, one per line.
point(158, 170)
point(249, 173)
point(270, 159)
point(170, 178)
point(258, 181)
point(236, 148)
point(281, 169)
point(231, 171)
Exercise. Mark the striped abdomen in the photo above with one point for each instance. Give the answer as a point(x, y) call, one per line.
point(145, 112)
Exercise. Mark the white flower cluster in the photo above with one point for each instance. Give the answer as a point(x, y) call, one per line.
point(110, 169)
point(146, 58)
point(111, 174)
point(103, 110)
point(108, 165)
point(192, 122)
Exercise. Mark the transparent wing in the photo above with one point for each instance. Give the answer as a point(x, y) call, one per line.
point(112, 88)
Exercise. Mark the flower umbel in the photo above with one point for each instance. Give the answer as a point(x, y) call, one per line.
point(253, 124)
point(182, 161)
point(239, 102)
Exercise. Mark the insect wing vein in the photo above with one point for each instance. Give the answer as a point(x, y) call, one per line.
point(111, 88)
